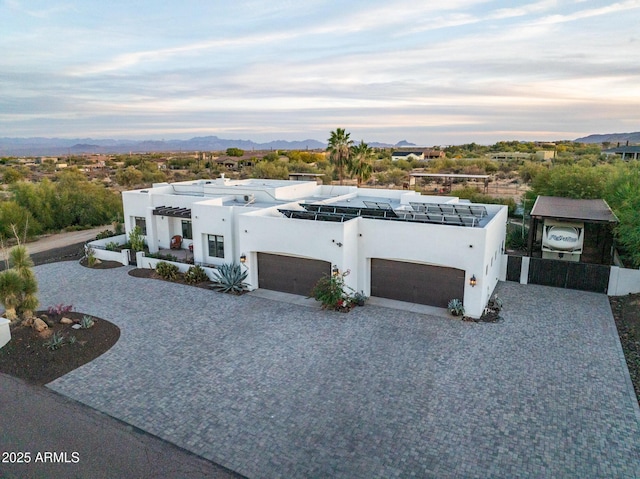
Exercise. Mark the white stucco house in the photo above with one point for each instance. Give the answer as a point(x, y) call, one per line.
point(397, 244)
point(407, 155)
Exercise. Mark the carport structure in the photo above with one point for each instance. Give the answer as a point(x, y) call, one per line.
point(595, 213)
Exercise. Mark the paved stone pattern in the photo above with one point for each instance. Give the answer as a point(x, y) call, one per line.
point(270, 389)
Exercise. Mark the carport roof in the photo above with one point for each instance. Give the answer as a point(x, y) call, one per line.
point(591, 211)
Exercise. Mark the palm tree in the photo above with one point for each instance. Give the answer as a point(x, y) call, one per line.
point(339, 150)
point(360, 165)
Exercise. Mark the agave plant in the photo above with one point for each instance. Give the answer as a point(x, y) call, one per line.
point(230, 278)
point(456, 307)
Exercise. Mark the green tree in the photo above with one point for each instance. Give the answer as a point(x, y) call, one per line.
point(11, 175)
point(360, 164)
point(130, 176)
point(12, 214)
point(235, 152)
point(340, 150)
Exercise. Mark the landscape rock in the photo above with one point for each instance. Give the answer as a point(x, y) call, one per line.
point(66, 321)
point(39, 325)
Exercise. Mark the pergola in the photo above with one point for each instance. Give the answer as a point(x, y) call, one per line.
point(449, 177)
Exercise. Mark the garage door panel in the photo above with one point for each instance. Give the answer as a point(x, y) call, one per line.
point(290, 274)
point(416, 283)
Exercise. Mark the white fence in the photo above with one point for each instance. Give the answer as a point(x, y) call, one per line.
point(101, 252)
point(623, 281)
point(150, 263)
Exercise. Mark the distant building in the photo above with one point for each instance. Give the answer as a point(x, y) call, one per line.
point(510, 155)
point(543, 155)
point(433, 154)
point(407, 155)
point(625, 152)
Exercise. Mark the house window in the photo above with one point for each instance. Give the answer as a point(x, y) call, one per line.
point(186, 229)
point(141, 223)
point(216, 246)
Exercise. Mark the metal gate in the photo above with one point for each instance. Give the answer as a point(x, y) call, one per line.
point(570, 275)
point(514, 266)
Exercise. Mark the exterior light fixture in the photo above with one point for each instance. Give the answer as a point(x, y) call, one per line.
point(243, 258)
point(335, 271)
point(473, 281)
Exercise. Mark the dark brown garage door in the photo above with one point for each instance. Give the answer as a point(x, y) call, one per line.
point(289, 274)
point(416, 283)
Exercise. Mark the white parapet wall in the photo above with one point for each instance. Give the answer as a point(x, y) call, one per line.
point(5, 332)
point(151, 263)
point(103, 254)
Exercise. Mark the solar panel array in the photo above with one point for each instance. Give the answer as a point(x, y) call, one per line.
point(477, 211)
point(469, 216)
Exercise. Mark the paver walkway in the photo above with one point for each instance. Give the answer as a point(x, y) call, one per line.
point(270, 389)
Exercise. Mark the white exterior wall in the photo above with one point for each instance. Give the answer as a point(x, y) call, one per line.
point(5, 331)
point(494, 260)
point(290, 237)
point(623, 281)
point(437, 245)
point(349, 246)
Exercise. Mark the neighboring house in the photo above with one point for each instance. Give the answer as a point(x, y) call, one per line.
point(396, 244)
point(625, 152)
point(407, 155)
point(510, 155)
point(433, 154)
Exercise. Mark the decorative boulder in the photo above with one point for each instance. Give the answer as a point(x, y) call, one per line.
point(39, 325)
point(66, 321)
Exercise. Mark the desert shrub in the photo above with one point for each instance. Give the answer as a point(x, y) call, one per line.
point(105, 234)
point(195, 275)
point(136, 239)
point(515, 238)
point(167, 271)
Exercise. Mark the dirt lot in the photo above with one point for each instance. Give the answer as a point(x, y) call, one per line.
point(626, 311)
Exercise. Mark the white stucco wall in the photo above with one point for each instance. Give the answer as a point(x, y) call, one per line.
point(254, 228)
point(623, 281)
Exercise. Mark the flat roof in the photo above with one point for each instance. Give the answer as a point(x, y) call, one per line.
point(592, 211)
point(450, 175)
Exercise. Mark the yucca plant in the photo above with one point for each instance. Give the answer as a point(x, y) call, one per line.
point(18, 285)
point(230, 278)
point(10, 292)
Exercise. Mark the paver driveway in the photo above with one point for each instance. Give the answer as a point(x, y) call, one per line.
point(270, 389)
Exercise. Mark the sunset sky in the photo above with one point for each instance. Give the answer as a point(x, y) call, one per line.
point(430, 72)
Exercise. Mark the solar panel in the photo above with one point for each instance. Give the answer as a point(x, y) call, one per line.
point(378, 205)
point(454, 215)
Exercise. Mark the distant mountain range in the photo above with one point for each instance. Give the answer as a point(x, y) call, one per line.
point(63, 146)
point(613, 138)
